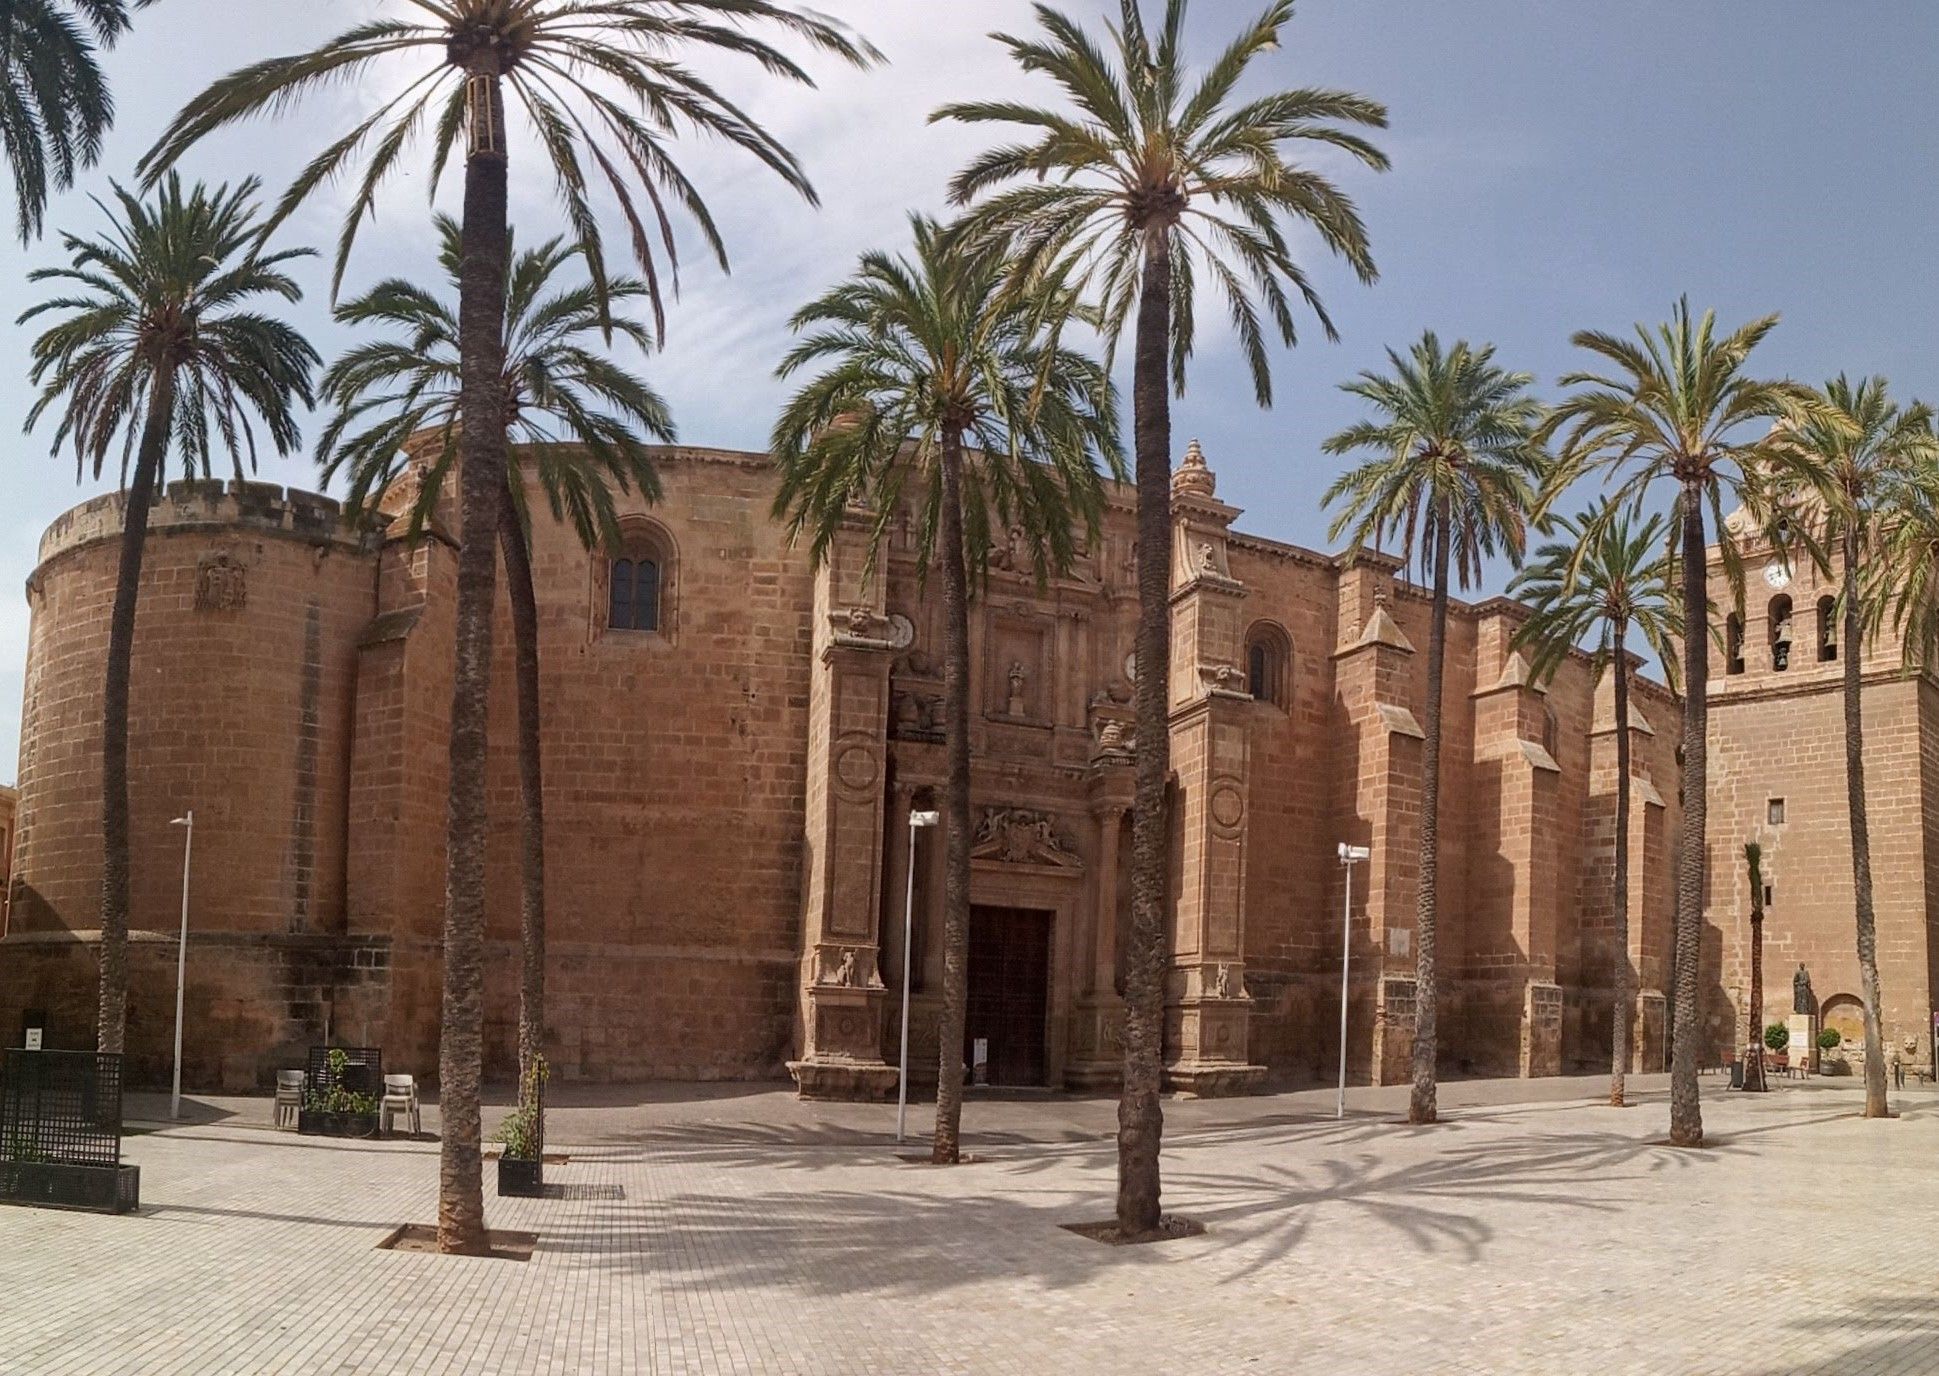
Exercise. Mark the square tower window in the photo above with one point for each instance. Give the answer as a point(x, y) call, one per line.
point(1774, 812)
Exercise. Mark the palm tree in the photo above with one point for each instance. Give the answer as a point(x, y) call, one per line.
point(600, 81)
point(160, 341)
point(1854, 452)
point(941, 383)
point(1607, 574)
point(54, 105)
point(1454, 478)
point(1754, 1056)
point(575, 415)
point(1680, 407)
point(1145, 182)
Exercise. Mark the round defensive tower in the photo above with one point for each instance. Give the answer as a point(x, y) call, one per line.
point(253, 601)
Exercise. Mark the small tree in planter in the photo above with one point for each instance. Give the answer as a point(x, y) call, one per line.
point(338, 1111)
point(1829, 1041)
point(521, 1165)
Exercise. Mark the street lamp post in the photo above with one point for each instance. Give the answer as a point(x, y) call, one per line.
point(1349, 857)
point(917, 821)
point(186, 821)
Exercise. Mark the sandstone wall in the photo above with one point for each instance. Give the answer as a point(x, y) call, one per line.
point(241, 704)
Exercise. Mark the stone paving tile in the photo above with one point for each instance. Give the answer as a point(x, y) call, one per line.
point(1539, 1237)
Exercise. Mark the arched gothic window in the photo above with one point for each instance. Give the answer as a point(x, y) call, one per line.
point(1269, 665)
point(1827, 629)
point(639, 578)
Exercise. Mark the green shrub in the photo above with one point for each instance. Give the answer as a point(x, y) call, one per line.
point(1829, 1039)
point(523, 1131)
point(1777, 1036)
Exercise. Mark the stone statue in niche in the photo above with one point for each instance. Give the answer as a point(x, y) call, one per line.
point(844, 973)
point(1802, 999)
point(1222, 983)
point(1014, 704)
point(1208, 557)
point(220, 583)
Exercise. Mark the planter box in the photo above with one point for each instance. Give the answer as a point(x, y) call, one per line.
point(521, 1179)
point(315, 1123)
point(104, 1189)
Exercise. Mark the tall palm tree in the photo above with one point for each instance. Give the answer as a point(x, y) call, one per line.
point(54, 103)
point(160, 342)
point(580, 421)
point(1853, 454)
point(1754, 1054)
point(941, 383)
point(1145, 181)
point(600, 82)
point(1679, 408)
point(1456, 471)
point(1609, 573)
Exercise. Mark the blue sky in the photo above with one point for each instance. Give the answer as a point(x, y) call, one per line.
point(1556, 166)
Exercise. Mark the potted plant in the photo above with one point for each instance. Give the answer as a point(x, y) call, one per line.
point(338, 1111)
point(1777, 1037)
point(1830, 1062)
point(521, 1164)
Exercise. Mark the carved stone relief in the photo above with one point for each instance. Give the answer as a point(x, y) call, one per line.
point(221, 583)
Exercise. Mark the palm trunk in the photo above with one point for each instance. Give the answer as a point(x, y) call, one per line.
point(531, 790)
point(111, 1015)
point(1420, 1104)
point(1622, 1015)
point(1754, 1057)
point(1140, 1119)
point(956, 811)
point(481, 349)
point(1686, 1113)
point(1861, 844)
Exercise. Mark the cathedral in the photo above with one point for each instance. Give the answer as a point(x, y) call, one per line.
point(735, 739)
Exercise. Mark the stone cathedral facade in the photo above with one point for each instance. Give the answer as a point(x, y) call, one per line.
point(734, 740)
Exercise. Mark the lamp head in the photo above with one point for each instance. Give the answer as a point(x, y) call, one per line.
point(1353, 855)
point(187, 820)
point(924, 819)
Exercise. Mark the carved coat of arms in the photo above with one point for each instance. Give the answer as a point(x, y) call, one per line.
point(221, 583)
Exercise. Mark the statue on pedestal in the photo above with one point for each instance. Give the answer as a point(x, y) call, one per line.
point(1802, 999)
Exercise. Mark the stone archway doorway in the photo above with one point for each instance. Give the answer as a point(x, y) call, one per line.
point(1846, 1015)
point(1009, 992)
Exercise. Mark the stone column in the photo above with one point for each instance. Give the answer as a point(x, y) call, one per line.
point(1207, 1012)
point(842, 995)
point(1096, 1049)
point(1379, 753)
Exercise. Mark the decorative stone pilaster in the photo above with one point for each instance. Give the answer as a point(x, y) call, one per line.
point(1207, 1011)
point(842, 994)
point(1096, 1058)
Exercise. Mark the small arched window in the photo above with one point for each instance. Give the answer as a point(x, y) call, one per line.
point(1733, 644)
point(1827, 629)
point(639, 578)
point(1781, 635)
point(1269, 661)
point(634, 604)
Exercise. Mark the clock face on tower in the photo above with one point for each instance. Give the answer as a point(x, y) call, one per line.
point(1777, 575)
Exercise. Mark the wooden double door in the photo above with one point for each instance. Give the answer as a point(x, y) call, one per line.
point(1009, 992)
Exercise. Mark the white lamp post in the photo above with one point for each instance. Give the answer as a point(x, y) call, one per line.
point(1349, 857)
point(187, 821)
point(917, 820)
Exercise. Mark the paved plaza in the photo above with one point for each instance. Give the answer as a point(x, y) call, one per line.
point(740, 1230)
